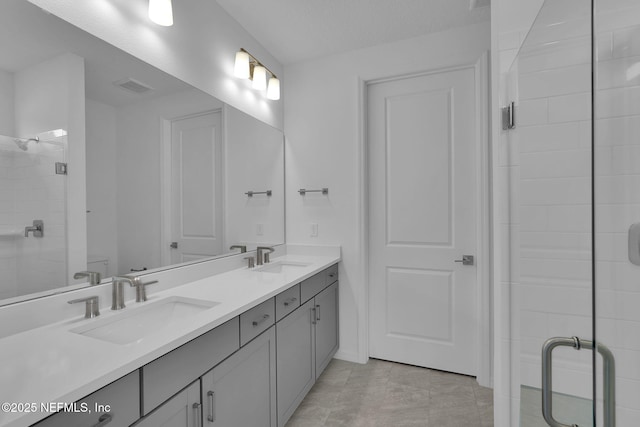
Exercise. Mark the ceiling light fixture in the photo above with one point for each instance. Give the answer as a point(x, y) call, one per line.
point(161, 12)
point(248, 67)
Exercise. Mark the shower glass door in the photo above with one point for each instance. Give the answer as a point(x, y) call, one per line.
point(30, 190)
point(573, 217)
point(550, 220)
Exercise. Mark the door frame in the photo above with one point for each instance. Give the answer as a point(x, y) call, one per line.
point(165, 178)
point(484, 271)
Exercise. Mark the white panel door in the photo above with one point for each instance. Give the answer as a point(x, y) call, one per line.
point(422, 209)
point(196, 187)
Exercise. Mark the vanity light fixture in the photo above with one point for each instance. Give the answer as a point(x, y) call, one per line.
point(248, 67)
point(161, 12)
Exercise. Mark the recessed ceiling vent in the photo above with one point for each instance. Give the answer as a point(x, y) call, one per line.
point(134, 86)
point(476, 4)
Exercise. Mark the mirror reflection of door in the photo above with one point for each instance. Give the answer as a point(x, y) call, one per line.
point(196, 187)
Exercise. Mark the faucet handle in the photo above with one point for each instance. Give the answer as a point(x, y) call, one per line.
point(260, 252)
point(92, 306)
point(141, 292)
point(250, 261)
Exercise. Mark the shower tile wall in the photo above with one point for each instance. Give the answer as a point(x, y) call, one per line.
point(34, 191)
point(617, 183)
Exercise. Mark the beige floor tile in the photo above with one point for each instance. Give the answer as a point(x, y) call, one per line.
point(387, 394)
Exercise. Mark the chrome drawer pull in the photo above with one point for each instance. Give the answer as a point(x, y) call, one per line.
point(261, 320)
point(313, 315)
point(196, 415)
point(212, 415)
point(318, 312)
point(289, 301)
point(103, 420)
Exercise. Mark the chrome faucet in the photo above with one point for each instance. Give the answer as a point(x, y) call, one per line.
point(262, 255)
point(243, 248)
point(117, 291)
point(92, 306)
point(141, 290)
point(94, 276)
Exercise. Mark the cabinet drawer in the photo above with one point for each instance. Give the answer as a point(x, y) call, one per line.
point(257, 320)
point(312, 286)
point(123, 397)
point(331, 274)
point(287, 301)
point(177, 369)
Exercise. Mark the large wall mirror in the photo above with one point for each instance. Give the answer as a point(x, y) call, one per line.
point(111, 165)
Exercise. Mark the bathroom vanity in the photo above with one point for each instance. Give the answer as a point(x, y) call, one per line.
point(236, 348)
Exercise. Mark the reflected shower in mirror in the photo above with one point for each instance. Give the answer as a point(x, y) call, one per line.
point(150, 172)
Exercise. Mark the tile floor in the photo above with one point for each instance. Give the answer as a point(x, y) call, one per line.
point(386, 394)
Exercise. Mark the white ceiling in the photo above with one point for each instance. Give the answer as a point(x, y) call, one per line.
point(296, 30)
point(29, 36)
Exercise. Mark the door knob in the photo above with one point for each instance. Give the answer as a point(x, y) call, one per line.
point(174, 245)
point(466, 260)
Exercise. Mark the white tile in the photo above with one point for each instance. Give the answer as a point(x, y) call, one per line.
point(556, 54)
point(555, 137)
point(617, 102)
point(532, 112)
point(622, 72)
point(555, 191)
point(558, 81)
point(571, 163)
point(570, 108)
point(570, 219)
point(626, 42)
point(566, 272)
point(618, 131)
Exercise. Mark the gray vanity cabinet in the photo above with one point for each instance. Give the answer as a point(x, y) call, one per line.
point(326, 304)
point(122, 397)
point(296, 360)
point(241, 390)
point(307, 340)
point(182, 410)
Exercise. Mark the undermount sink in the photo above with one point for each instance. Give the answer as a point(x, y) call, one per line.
point(133, 325)
point(282, 266)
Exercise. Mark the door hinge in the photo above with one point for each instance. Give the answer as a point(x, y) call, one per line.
point(509, 116)
point(61, 168)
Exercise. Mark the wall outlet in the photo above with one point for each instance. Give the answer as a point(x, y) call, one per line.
point(259, 229)
point(314, 230)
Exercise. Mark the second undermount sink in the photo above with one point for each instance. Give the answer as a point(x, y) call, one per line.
point(134, 325)
point(282, 266)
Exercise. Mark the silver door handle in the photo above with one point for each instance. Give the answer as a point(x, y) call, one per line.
point(466, 260)
point(103, 420)
point(318, 312)
point(174, 245)
point(608, 375)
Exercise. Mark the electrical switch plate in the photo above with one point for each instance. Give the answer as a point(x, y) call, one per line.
point(259, 229)
point(314, 230)
point(634, 243)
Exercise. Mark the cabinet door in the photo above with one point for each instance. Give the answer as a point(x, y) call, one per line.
point(182, 410)
point(326, 304)
point(241, 390)
point(296, 360)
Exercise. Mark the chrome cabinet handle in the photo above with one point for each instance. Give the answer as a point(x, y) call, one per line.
point(196, 418)
point(212, 415)
point(103, 420)
point(261, 320)
point(608, 374)
point(290, 301)
point(318, 312)
point(313, 315)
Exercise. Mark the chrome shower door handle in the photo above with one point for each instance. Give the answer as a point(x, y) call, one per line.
point(608, 377)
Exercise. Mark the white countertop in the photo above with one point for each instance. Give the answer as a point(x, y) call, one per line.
point(52, 364)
